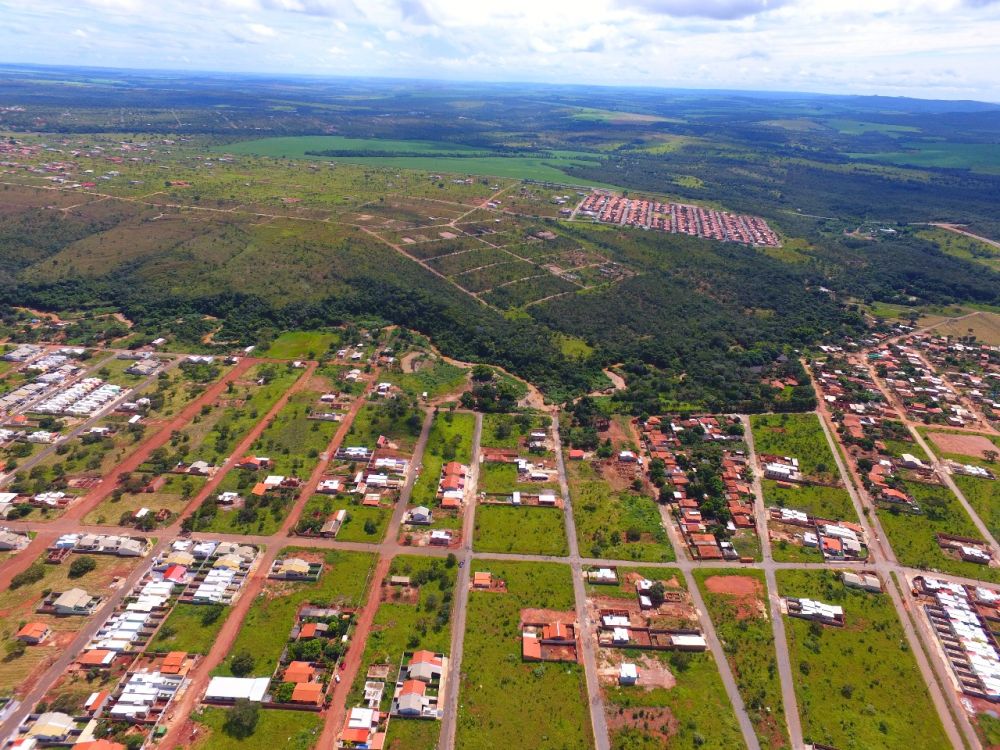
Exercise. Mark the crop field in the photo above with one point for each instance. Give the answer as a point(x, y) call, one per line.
point(816, 500)
point(400, 626)
point(797, 436)
point(912, 536)
point(289, 730)
point(504, 700)
point(450, 439)
point(615, 525)
point(842, 674)
point(360, 518)
point(265, 629)
point(977, 157)
point(525, 530)
point(303, 344)
point(743, 624)
point(190, 627)
point(427, 156)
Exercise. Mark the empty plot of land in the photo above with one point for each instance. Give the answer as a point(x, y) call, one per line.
point(985, 326)
point(965, 445)
point(466, 260)
point(491, 277)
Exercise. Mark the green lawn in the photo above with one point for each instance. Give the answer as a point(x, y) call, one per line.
point(526, 530)
point(984, 497)
point(302, 344)
point(698, 702)
point(289, 730)
point(912, 535)
point(605, 520)
point(450, 439)
point(798, 436)
point(435, 377)
point(185, 630)
point(748, 641)
point(505, 702)
point(816, 500)
point(265, 629)
point(858, 687)
point(509, 430)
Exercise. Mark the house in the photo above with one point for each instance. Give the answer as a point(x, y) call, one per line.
point(174, 663)
point(232, 689)
point(308, 692)
point(575, 454)
point(440, 537)
point(411, 699)
point(10, 540)
point(361, 724)
point(254, 463)
point(75, 602)
point(96, 658)
point(175, 574)
point(421, 515)
point(291, 568)
point(482, 580)
point(425, 666)
point(299, 671)
point(531, 647)
point(627, 674)
point(33, 633)
point(96, 701)
point(311, 630)
point(52, 727)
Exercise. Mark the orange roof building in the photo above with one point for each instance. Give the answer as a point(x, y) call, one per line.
point(531, 648)
point(173, 663)
point(33, 632)
point(482, 580)
point(308, 692)
point(299, 671)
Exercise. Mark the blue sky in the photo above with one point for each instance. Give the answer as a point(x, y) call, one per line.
point(941, 49)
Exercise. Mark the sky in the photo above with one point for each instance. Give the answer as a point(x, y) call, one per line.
point(935, 49)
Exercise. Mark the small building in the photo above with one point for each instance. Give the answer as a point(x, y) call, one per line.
point(75, 602)
point(52, 727)
point(33, 633)
point(481, 580)
point(232, 689)
point(425, 666)
point(628, 674)
point(421, 515)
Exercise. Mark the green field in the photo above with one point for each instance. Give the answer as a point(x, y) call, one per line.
point(396, 420)
point(434, 377)
point(264, 631)
point(977, 157)
point(319, 508)
point(289, 730)
point(617, 525)
point(984, 497)
point(816, 500)
point(429, 156)
point(302, 344)
point(797, 436)
point(858, 687)
point(505, 702)
point(748, 641)
point(525, 529)
point(961, 246)
point(912, 536)
point(510, 430)
point(186, 629)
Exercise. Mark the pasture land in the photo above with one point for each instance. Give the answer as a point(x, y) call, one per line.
point(303, 344)
point(797, 436)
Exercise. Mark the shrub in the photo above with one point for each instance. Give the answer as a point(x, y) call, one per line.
point(81, 566)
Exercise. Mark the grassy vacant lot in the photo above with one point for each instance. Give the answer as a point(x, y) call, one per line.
point(174, 496)
point(816, 500)
point(435, 377)
point(798, 436)
point(505, 702)
point(401, 626)
point(302, 344)
point(289, 730)
point(527, 530)
point(353, 529)
point(265, 630)
point(748, 640)
point(510, 430)
point(450, 439)
point(912, 535)
point(188, 628)
point(984, 497)
point(698, 702)
point(857, 686)
point(985, 325)
point(615, 525)
point(390, 418)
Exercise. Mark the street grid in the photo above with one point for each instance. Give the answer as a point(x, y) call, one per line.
point(954, 716)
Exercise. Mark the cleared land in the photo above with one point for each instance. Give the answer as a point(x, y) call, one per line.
point(526, 530)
